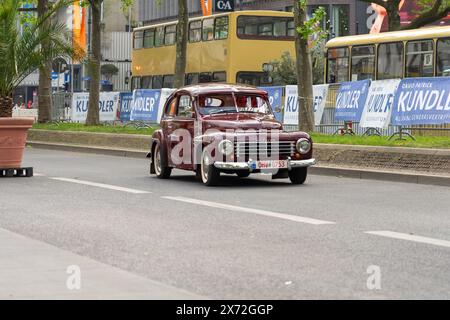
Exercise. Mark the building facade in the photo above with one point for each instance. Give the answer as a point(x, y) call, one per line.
point(344, 17)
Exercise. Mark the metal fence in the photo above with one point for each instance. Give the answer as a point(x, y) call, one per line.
point(61, 109)
point(329, 125)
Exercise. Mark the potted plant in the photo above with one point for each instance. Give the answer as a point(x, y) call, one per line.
point(21, 53)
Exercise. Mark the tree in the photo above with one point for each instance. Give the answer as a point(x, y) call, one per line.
point(93, 114)
point(94, 59)
point(285, 70)
point(45, 73)
point(429, 11)
point(22, 53)
point(182, 35)
point(306, 29)
point(109, 70)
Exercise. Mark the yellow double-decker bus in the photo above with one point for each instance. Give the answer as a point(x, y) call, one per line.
point(421, 52)
point(230, 47)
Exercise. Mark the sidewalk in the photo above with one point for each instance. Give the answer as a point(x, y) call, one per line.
point(30, 269)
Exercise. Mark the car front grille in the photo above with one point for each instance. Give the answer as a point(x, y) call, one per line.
point(264, 150)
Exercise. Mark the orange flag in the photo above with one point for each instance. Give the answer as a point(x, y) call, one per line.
point(206, 7)
point(79, 25)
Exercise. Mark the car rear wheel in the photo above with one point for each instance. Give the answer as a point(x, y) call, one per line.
point(209, 174)
point(298, 175)
point(159, 163)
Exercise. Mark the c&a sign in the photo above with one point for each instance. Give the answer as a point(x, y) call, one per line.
point(224, 5)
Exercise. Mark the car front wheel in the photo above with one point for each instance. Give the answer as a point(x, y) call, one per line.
point(209, 174)
point(298, 175)
point(159, 164)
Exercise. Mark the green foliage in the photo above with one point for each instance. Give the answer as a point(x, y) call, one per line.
point(284, 71)
point(311, 29)
point(421, 141)
point(100, 128)
point(425, 5)
point(22, 53)
point(109, 70)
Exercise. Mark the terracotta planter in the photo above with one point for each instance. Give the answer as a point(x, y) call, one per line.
point(13, 136)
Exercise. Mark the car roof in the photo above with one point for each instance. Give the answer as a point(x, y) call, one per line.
point(208, 88)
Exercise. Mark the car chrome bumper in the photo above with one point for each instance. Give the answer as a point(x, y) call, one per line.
point(246, 165)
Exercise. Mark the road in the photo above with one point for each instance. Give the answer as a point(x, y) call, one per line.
point(250, 238)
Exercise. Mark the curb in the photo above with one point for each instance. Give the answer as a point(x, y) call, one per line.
point(367, 174)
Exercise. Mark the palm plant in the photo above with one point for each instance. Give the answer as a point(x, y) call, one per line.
point(21, 53)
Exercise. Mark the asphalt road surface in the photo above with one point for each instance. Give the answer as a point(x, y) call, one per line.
point(252, 238)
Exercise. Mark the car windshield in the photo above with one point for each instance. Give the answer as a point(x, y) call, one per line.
point(233, 103)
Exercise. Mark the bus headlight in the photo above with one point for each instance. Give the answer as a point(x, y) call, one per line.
point(303, 145)
point(226, 147)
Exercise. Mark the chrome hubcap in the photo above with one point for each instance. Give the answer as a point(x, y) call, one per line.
point(157, 161)
point(205, 167)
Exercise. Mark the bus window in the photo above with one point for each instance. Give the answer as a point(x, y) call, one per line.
point(157, 82)
point(259, 27)
point(159, 37)
point(279, 28)
point(253, 78)
point(265, 29)
point(419, 58)
point(291, 28)
point(170, 34)
point(208, 29)
point(219, 77)
point(146, 82)
point(168, 81)
point(221, 28)
point(205, 77)
point(135, 83)
point(337, 60)
point(138, 37)
point(191, 78)
point(149, 38)
point(390, 61)
point(195, 31)
point(363, 62)
point(443, 57)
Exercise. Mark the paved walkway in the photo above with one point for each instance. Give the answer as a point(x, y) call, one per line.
point(30, 269)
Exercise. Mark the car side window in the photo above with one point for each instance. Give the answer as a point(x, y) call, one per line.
point(172, 108)
point(185, 106)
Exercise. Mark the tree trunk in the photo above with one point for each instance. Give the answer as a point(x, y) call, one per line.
point(180, 63)
point(304, 74)
point(6, 106)
point(93, 115)
point(393, 15)
point(45, 76)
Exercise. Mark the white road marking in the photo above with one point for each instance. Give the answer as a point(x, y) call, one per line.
point(38, 174)
point(409, 237)
point(101, 185)
point(250, 210)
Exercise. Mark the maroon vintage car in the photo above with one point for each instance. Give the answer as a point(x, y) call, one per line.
point(222, 128)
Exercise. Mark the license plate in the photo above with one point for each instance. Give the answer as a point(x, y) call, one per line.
point(269, 164)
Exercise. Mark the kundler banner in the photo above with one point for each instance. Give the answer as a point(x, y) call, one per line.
point(379, 104)
point(109, 102)
point(320, 92)
point(351, 99)
point(422, 101)
point(275, 99)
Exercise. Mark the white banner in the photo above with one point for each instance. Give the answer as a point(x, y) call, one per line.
point(378, 108)
point(320, 92)
point(165, 93)
point(109, 102)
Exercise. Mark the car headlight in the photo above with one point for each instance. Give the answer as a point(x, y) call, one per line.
point(226, 147)
point(303, 145)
